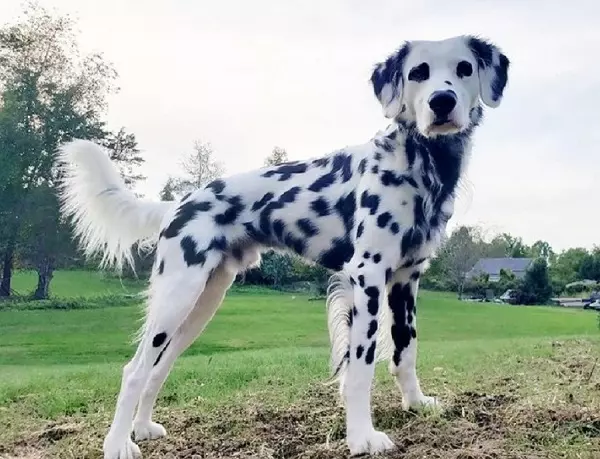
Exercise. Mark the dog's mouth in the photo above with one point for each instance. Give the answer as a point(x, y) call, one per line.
point(443, 126)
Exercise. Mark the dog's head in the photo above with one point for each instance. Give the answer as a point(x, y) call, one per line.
point(437, 85)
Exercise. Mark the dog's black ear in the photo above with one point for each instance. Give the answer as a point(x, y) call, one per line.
point(493, 70)
point(387, 81)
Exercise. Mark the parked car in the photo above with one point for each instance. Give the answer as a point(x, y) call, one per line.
point(593, 305)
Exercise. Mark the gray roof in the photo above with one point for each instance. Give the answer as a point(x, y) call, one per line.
point(492, 266)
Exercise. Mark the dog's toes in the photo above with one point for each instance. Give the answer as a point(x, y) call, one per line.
point(148, 431)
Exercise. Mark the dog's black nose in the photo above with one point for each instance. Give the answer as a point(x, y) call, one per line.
point(442, 103)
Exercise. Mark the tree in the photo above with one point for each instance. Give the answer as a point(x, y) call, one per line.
point(123, 151)
point(566, 267)
point(542, 249)
point(277, 156)
point(49, 93)
point(589, 267)
point(459, 254)
point(168, 190)
point(277, 268)
point(200, 168)
point(535, 287)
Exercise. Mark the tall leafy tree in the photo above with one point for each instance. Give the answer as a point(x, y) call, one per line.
point(49, 94)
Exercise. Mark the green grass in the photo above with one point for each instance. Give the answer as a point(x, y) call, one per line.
point(66, 364)
point(73, 284)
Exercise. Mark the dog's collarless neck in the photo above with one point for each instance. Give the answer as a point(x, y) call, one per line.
point(442, 156)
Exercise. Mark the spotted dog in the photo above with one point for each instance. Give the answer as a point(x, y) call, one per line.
point(372, 213)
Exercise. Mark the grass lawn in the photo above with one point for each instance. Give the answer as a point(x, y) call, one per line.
point(516, 382)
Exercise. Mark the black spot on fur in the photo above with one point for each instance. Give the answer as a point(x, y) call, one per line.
point(185, 197)
point(412, 239)
point(296, 244)
point(394, 228)
point(321, 207)
point(369, 201)
point(367, 255)
point(483, 51)
point(160, 354)
point(375, 169)
point(372, 329)
point(322, 182)
point(340, 252)
point(321, 162)
point(263, 201)
point(159, 339)
point(415, 275)
point(232, 213)
point(370, 355)
point(361, 280)
point(360, 229)
point(286, 170)
point(376, 258)
point(419, 73)
point(290, 195)
point(354, 311)
point(362, 166)
point(361, 265)
point(186, 212)
point(359, 351)
point(346, 208)
point(307, 227)
point(190, 254)
point(388, 72)
point(217, 186)
point(287, 197)
point(255, 234)
point(419, 211)
point(383, 219)
point(402, 305)
point(278, 229)
point(377, 156)
point(373, 303)
point(161, 267)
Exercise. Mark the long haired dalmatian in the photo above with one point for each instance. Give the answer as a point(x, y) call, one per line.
point(372, 213)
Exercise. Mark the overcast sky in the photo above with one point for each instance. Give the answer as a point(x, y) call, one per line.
point(249, 75)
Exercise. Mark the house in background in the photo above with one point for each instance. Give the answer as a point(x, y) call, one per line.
point(492, 267)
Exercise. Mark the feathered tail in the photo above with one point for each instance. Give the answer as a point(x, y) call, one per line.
point(108, 218)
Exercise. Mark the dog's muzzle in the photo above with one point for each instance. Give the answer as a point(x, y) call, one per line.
point(441, 104)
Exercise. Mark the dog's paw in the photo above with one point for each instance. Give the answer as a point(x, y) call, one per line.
point(121, 450)
point(148, 431)
point(372, 442)
point(422, 403)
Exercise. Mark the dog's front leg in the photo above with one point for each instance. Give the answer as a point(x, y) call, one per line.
point(369, 293)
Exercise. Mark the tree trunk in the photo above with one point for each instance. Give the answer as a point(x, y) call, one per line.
point(45, 273)
point(5, 289)
point(460, 290)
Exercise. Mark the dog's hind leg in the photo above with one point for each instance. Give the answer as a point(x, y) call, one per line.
point(402, 298)
point(206, 306)
point(172, 298)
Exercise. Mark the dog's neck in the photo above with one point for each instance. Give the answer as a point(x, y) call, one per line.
point(440, 158)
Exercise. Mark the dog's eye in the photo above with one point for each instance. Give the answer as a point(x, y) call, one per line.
point(464, 69)
point(419, 73)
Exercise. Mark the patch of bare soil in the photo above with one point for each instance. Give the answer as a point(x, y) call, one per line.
point(526, 418)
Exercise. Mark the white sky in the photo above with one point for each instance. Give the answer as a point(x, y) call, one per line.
point(249, 75)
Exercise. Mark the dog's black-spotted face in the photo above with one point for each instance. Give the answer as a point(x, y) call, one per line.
point(438, 85)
